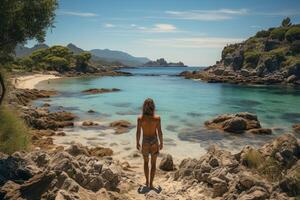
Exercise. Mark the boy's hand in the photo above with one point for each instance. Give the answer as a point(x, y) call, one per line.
point(138, 146)
point(160, 146)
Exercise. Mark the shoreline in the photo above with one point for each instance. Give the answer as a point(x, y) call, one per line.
point(31, 81)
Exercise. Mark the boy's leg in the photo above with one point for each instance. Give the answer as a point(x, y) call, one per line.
point(153, 169)
point(146, 169)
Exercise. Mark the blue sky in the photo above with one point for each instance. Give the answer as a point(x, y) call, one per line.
point(192, 31)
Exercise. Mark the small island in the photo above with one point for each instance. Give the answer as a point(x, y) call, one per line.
point(163, 63)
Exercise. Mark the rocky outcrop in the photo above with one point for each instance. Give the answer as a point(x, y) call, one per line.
point(42, 118)
point(228, 176)
point(238, 123)
point(163, 63)
point(268, 58)
point(39, 175)
point(25, 96)
point(121, 126)
point(100, 91)
point(77, 149)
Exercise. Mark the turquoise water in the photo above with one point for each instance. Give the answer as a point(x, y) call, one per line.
point(183, 104)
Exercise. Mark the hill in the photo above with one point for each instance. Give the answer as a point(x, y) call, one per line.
point(270, 57)
point(98, 55)
point(119, 56)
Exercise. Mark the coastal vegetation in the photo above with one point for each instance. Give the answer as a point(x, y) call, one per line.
point(20, 21)
point(270, 57)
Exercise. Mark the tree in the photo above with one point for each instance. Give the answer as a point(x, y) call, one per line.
point(82, 59)
point(21, 21)
point(286, 22)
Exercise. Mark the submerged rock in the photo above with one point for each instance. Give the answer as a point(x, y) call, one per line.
point(121, 126)
point(100, 91)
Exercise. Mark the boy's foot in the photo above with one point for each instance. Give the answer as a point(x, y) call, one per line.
point(147, 184)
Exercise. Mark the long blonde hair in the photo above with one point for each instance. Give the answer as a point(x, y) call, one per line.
point(148, 107)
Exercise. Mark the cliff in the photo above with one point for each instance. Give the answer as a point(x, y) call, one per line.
point(270, 57)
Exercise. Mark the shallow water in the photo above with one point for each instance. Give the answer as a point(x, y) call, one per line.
point(183, 104)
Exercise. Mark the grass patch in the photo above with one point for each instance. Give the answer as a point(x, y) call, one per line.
point(268, 168)
point(14, 134)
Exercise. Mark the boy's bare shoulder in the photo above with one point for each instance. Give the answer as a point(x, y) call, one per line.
point(157, 117)
point(140, 117)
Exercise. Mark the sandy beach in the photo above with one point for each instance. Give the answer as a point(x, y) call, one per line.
point(30, 81)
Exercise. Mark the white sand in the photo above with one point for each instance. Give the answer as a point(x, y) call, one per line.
point(30, 81)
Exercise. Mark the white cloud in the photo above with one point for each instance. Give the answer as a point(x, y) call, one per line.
point(207, 15)
point(133, 25)
point(79, 14)
point(192, 42)
point(163, 28)
point(108, 25)
point(157, 28)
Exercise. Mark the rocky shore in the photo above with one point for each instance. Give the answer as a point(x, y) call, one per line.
point(50, 171)
point(270, 57)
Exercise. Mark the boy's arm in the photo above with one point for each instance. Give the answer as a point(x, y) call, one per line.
point(138, 134)
point(160, 135)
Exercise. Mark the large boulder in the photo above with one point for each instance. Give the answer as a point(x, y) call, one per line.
point(166, 164)
point(237, 123)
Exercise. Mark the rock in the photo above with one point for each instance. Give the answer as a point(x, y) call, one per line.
point(46, 105)
point(121, 126)
point(291, 181)
point(284, 149)
point(260, 131)
point(291, 79)
point(255, 193)
point(166, 164)
point(91, 111)
point(100, 91)
point(89, 123)
point(236, 123)
point(100, 151)
point(219, 187)
point(77, 149)
point(60, 133)
point(296, 128)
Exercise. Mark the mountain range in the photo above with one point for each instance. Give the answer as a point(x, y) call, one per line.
point(97, 54)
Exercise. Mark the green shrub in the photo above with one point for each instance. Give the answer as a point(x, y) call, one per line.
point(228, 50)
point(262, 34)
point(14, 134)
point(278, 33)
point(295, 47)
point(251, 57)
point(293, 34)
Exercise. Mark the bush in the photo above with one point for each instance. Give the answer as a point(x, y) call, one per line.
point(278, 33)
point(293, 34)
point(262, 34)
point(252, 57)
point(295, 47)
point(253, 159)
point(14, 134)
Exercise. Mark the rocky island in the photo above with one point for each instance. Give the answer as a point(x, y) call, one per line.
point(270, 57)
point(163, 63)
